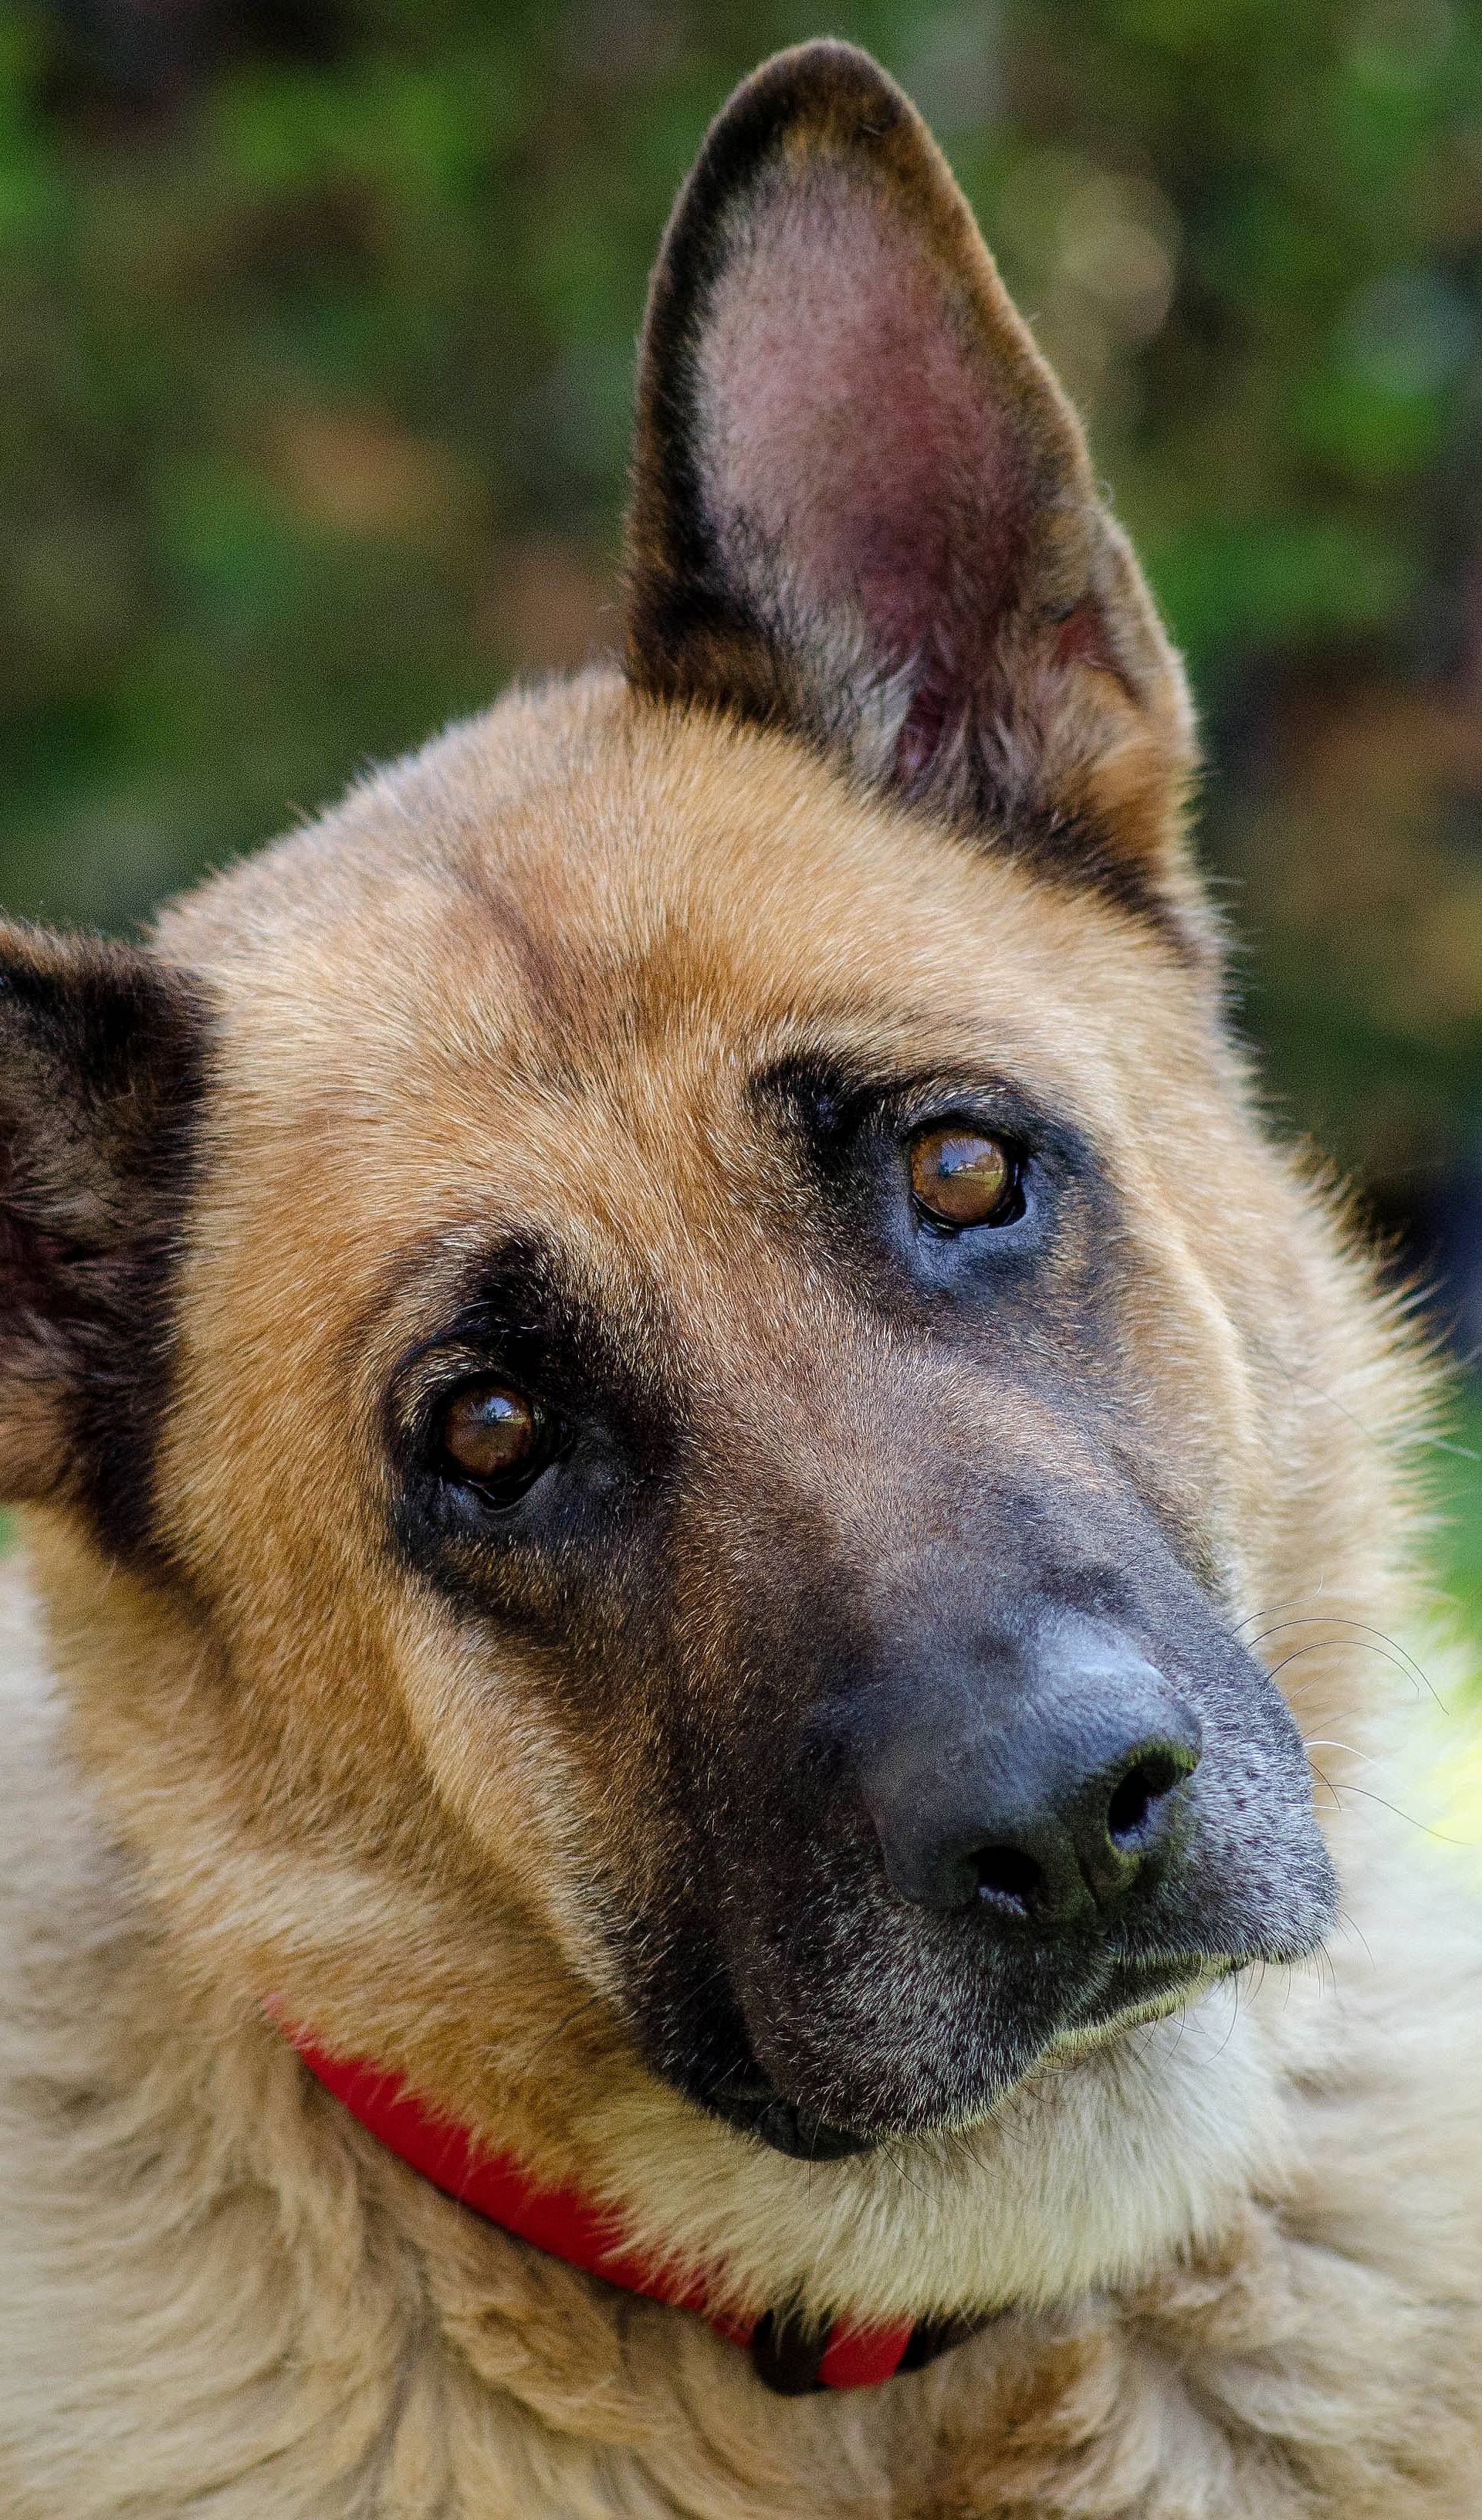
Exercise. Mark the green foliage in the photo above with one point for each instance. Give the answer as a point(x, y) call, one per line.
point(1458, 1487)
point(295, 356)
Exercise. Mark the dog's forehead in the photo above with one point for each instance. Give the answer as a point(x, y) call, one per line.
point(539, 965)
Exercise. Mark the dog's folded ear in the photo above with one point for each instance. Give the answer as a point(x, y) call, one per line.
point(102, 1056)
point(862, 506)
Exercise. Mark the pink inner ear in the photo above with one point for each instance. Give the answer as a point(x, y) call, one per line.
point(848, 422)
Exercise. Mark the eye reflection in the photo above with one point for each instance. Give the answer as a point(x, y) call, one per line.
point(490, 1431)
point(962, 1176)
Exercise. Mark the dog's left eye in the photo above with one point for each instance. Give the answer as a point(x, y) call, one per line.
point(961, 1176)
point(492, 1436)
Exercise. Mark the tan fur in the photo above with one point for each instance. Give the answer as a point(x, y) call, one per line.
point(1239, 2257)
point(255, 1760)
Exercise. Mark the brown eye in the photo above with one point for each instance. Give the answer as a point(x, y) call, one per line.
point(490, 1431)
point(963, 1177)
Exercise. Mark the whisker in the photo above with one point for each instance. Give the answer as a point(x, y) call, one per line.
point(1269, 1608)
point(1350, 1927)
point(1334, 1619)
point(893, 2157)
point(591, 2003)
point(1299, 1653)
point(1468, 1845)
point(1235, 2014)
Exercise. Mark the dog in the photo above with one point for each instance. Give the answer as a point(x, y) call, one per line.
point(694, 1493)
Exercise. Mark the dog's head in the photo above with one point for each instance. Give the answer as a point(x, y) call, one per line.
point(662, 1359)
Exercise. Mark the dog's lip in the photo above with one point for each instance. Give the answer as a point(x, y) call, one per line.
point(1138, 1989)
point(1132, 1991)
point(754, 2105)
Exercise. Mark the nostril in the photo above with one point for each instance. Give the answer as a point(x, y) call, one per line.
point(1138, 1796)
point(1008, 1873)
point(1041, 1814)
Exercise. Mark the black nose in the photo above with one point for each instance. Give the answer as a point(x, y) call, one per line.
point(1041, 1782)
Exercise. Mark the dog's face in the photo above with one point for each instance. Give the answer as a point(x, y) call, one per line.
point(681, 1299)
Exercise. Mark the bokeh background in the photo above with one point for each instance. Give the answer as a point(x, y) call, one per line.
point(316, 344)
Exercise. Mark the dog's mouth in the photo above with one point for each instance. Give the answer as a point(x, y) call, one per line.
point(1132, 1994)
point(752, 2102)
point(1140, 1991)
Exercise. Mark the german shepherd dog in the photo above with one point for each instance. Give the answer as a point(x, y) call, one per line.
point(695, 1495)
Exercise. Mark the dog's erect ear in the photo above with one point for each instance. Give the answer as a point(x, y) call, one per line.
point(101, 1053)
point(862, 506)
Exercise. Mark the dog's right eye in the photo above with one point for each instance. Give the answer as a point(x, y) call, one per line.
point(492, 1436)
point(962, 1177)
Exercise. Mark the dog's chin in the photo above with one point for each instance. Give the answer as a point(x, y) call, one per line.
point(1134, 1993)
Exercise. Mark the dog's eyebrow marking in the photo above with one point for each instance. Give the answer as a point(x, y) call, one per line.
point(517, 1297)
point(482, 1280)
point(553, 981)
point(830, 1090)
point(436, 1280)
point(823, 1087)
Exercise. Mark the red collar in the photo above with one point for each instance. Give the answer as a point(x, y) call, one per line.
point(560, 2221)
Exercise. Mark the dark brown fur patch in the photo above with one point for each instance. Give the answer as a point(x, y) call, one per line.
point(102, 1061)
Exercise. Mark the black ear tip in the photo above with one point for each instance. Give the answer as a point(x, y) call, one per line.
point(828, 62)
point(824, 85)
point(817, 100)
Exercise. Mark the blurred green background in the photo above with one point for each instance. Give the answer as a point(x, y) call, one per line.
point(316, 341)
